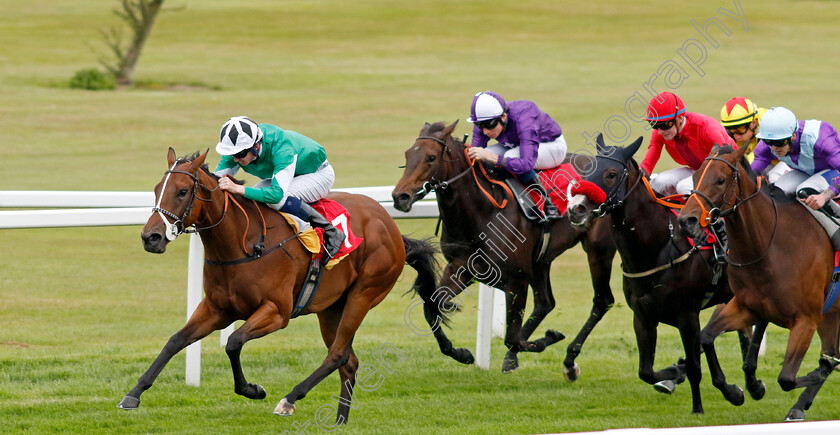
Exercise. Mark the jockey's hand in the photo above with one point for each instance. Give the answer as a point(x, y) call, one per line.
point(817, 200)
point(225, 183)
point(478, 153)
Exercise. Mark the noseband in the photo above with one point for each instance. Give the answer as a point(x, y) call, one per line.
point(176, 228)
point(432, 184)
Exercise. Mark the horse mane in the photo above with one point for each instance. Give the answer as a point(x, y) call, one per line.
point(771, 189)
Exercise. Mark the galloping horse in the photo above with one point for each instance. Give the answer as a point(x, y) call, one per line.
point(476, 225)
point(259, 280)
point(780, 266)
point(666, 280)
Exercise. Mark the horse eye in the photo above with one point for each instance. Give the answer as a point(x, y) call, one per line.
point(611, 175)
point(183, 192)
point(721, 180)
point(430, 159)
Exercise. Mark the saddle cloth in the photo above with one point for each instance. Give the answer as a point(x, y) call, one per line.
point(313, 238)
point(556, 182)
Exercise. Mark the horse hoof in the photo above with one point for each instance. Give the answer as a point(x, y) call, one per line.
point(572, 374)
point(666, 387)
point(464, 356)
point(129, 402)
point(795, 415)
point(260, 393)
point(737, 397)
point(284, 408)
point(554, 336)
point(757, 392)
point(510, 364)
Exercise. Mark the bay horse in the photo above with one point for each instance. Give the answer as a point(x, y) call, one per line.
point(491, 229)
point(255, 266)
point(780, 266)
point(666, 280)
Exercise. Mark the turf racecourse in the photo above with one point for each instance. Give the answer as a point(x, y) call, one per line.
point(84, 311)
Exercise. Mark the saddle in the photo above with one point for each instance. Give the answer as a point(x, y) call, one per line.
point(556, 181)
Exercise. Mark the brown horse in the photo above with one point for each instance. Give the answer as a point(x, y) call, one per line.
point(666, 280)
point(780, 265)
point(488, 239)
point(254, 269)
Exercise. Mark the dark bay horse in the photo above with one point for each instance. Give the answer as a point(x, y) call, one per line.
point(665, 279)
point(486, 238)
point(263, 292)
point(780, 266)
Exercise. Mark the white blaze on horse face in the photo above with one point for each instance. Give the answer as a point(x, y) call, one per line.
point(171, 229)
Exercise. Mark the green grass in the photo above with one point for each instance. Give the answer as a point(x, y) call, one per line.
point(84, 311)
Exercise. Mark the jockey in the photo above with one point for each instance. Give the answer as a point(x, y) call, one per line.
point(293, 168)
point(741, 118)
point(811, 148)
point(688, 137)
point(527, 139)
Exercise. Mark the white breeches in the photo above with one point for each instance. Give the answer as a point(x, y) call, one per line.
point(549, 154)
point(673, 181)
point(308, 187)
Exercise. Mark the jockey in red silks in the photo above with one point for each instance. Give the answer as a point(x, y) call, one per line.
point(688, 137)
point(528, 139)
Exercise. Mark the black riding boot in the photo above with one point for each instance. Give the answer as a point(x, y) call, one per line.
point(333, 237)
point(551, 211)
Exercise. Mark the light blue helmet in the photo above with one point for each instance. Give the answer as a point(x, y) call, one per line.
point(777, 124)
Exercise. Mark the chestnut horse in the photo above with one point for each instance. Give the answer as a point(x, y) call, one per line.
point(780, 266)
point(254, 269)
point(489, 228)
point(666, 280)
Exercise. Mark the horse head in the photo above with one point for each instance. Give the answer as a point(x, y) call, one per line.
point(608, 180)
point(716, 190)
point(429, 163)
point(175, 207)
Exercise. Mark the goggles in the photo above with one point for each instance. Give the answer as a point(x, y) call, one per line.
point(662, 125)
point(243, 153)
point(488, 124)
point(777, 143)
point(738, 129)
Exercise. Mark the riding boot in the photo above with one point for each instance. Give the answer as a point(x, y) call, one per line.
point(333, 237)
point(551, 211)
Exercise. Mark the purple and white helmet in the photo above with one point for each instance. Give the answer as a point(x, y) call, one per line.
point(238, 133)
point(487, 105)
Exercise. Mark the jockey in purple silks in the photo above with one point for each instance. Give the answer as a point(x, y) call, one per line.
point(528, 139)
point(810, 148)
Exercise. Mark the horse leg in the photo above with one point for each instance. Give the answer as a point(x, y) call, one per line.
point(799, 340)
point(543, 304)
point(203, 321)
point(515, 296)
point(338, 355)
point(443, 297)
point(733, 316)
point(689, 326)
point(755, 386)
point(265, 320)
point(600, 267)
point(828, 331)
point(646, 336)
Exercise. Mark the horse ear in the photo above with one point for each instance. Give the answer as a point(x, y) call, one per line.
point(631, 149)
point(170, 157)
point(601, 146)
point(449, 129)
point(740, 152)
point(199, 161)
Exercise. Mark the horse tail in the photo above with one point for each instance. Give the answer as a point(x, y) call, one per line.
point(421, 256)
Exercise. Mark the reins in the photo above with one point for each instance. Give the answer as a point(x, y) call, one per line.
point(433, 185)
point(710, 216)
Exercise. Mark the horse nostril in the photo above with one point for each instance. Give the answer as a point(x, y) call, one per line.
point(689, 222)
point(402, 197)
point(152, 238)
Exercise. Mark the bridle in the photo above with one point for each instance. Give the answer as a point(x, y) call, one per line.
point(715, 212)
point(433, 185)
point(610, 203)
point(177, 227)
point(712, 215)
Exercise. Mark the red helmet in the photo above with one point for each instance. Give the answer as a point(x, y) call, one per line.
point(664, 107)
